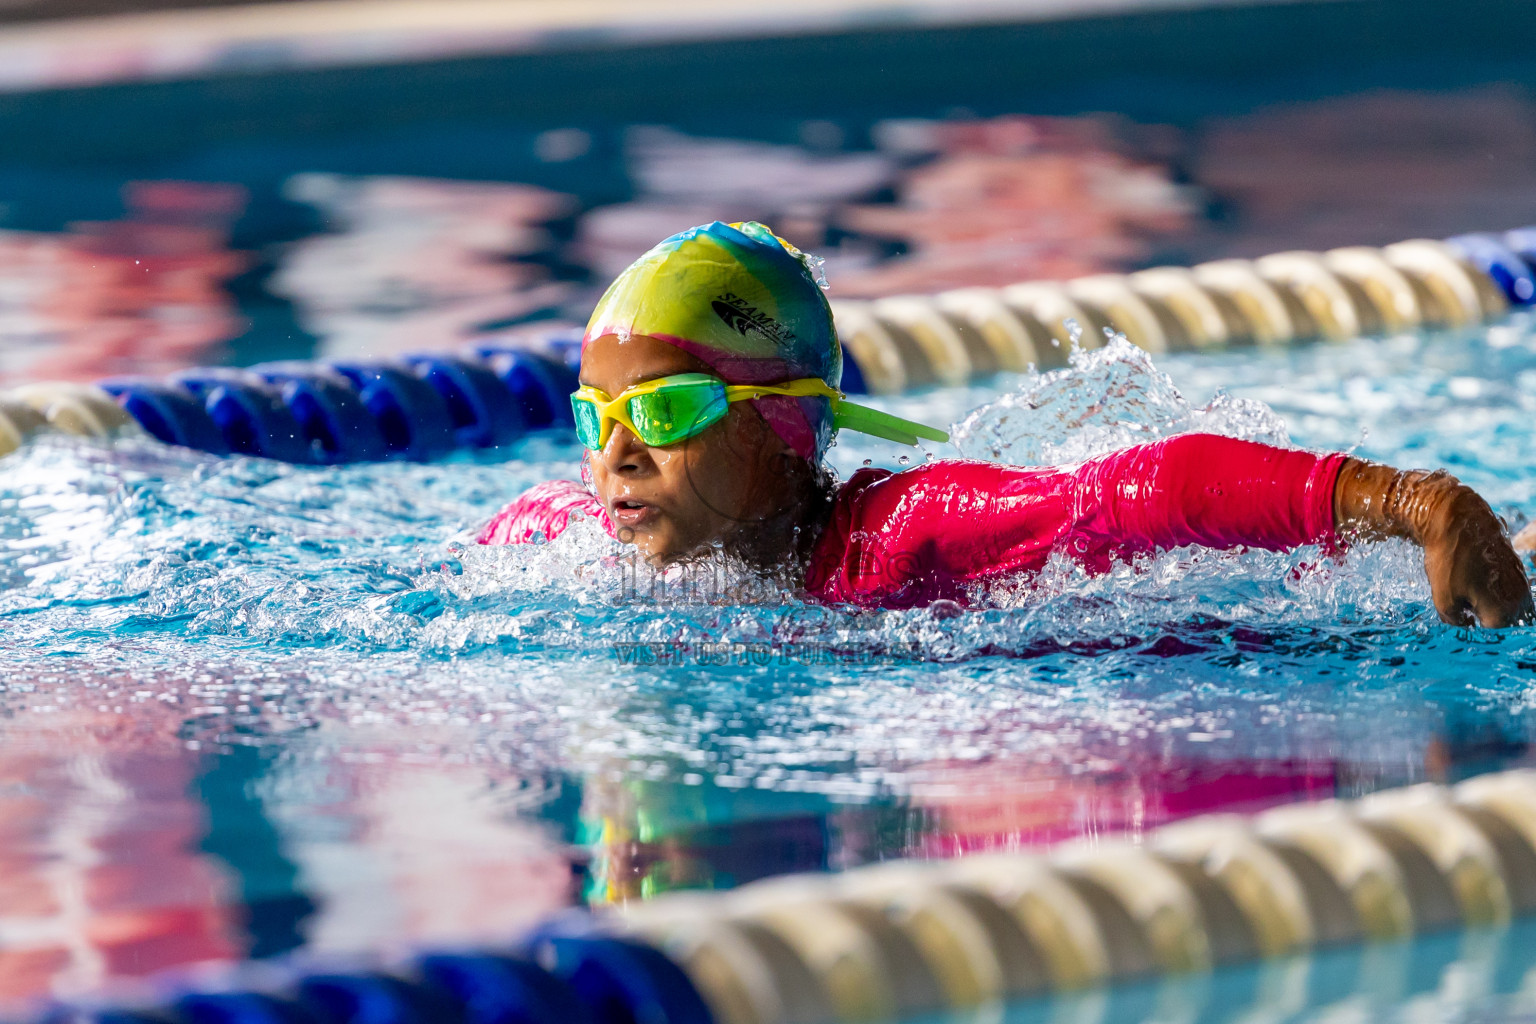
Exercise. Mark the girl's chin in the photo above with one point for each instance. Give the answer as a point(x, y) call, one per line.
point(660, 540)
point(662, 550)
point(656, 546)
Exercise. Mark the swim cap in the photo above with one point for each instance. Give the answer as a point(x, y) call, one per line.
point(743, 301)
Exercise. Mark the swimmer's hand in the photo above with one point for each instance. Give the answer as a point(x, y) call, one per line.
point(1474, 574)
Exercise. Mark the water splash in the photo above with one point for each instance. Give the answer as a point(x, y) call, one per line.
point(1105, 399)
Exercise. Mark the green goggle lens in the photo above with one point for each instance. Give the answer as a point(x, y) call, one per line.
point(676, 413)
point(589, 423)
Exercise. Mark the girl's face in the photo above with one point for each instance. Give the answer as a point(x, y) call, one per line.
point(673, 501)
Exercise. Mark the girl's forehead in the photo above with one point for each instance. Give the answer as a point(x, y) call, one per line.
point(612, 364)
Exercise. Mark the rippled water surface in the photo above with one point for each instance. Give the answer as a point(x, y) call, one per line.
point(251, 708)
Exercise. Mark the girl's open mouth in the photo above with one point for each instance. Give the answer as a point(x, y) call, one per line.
point(628, 512)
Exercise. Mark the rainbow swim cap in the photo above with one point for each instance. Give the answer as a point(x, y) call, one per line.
point(744, 302)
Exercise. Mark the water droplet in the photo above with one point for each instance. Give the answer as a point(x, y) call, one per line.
point(1074, 330)
point(817, 265)
point(868, 461)
point(904, 459)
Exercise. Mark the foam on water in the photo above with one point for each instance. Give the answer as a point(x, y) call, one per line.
point(1105, 399)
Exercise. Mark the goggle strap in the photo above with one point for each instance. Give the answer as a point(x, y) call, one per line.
point(861, 418)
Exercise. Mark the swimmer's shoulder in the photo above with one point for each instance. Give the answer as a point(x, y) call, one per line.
point(873, 548)
point(940, 473)
point(872, 496)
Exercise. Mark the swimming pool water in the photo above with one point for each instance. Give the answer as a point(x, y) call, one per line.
point(251, 708)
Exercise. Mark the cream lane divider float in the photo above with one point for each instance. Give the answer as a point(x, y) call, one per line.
point(77, 409)
point(917, 340)
point(910, 939)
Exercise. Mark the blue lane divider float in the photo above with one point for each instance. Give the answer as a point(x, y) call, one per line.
point(169, 412)
point(623, 981)
point(496, 989)
point(249, 413)
point(421, 407)
point(411, 415)
point(484, 412)
point(853, 377)
point(587, 979)
point(333, 420)
point(1505, 264)
point(376, 999)
point(239, 1008)
point(540, 384)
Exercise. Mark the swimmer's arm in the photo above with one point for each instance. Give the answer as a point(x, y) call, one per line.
point(1218, 492)
point(1474, 573)
point(971, 520)
point(1223, 492)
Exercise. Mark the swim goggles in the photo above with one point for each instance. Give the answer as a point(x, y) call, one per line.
point(672, 409)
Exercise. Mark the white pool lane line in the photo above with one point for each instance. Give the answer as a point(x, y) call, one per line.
point(321, 33)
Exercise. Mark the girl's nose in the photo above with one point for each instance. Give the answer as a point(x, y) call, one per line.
point(624, 453)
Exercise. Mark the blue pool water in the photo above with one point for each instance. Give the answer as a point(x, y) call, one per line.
point(253, 708)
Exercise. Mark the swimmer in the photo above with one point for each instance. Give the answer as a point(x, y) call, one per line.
point(708, 399)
